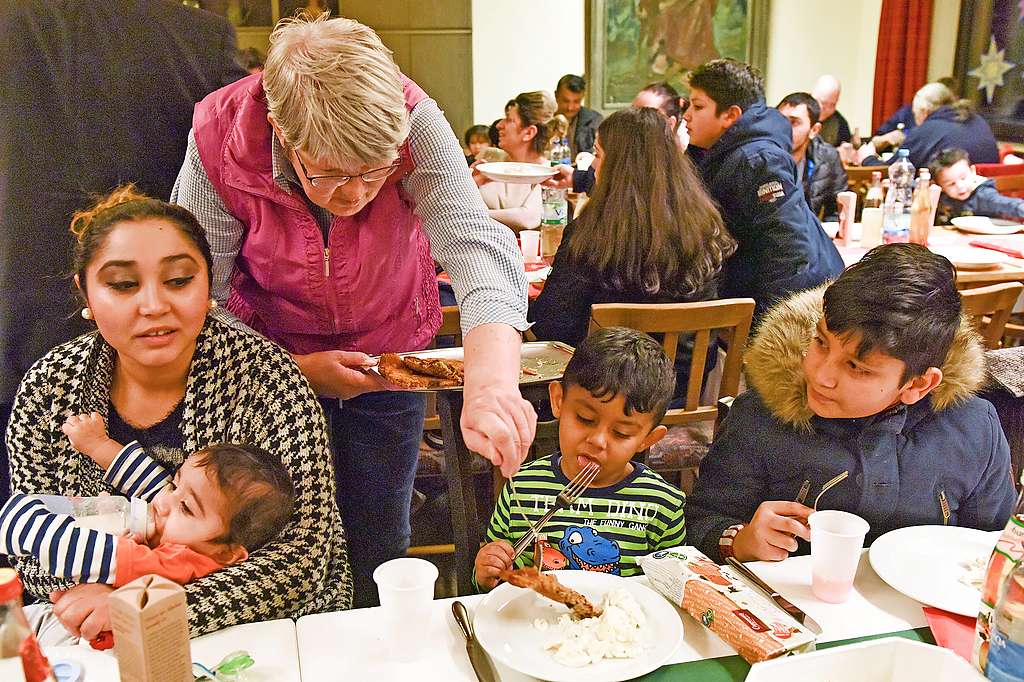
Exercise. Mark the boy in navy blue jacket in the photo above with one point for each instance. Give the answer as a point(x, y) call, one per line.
point(874, 375)
point(964, 193)
point(743, 153)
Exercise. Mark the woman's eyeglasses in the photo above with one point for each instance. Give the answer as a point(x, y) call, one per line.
point(335, 181)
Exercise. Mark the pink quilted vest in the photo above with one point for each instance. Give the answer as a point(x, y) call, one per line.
point(378, 291)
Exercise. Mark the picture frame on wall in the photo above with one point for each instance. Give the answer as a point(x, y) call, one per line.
point(989, 64)
point(632, 43)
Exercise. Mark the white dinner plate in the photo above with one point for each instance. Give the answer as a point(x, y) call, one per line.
point(926, 563)
point(979, 224)
point(970, 258)
point(537, 276)
point(504, 625)
point(516, 172)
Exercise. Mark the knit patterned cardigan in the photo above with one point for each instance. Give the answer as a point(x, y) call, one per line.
point(241, 388)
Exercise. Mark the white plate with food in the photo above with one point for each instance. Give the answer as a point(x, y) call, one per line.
point(516, 172)
point(979, 224)
point(970, 258)
point(527, 632)
point(941, 566)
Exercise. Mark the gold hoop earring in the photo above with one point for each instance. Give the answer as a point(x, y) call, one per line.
point(86, 313)
point(213, 303)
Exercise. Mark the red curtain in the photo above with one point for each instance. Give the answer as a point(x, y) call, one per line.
point(901, 63)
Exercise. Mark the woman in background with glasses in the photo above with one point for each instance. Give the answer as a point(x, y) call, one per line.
point(319, 182)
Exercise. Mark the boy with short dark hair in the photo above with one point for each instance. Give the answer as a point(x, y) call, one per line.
point(874, 375)
point(609, 403)
point(744, 158)
point(964, 193)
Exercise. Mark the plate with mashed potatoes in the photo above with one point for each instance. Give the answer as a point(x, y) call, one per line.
point(516, 172)
point(637, 631)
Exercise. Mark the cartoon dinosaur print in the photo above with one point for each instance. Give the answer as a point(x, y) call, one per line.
point(586, 550)
point(550, 558)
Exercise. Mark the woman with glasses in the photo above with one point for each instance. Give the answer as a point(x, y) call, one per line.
point(319, 183)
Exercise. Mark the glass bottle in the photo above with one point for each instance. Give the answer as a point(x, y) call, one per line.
point(21, 659)
point(1006, 648)
point(1006, 556)
point(874, 197)
point(921, 209)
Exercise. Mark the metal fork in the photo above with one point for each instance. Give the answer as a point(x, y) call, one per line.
point(568, 495)
point(829, 484)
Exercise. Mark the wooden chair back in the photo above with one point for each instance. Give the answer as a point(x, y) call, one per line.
point(1011, 185)
point(730, 318)
point(990, 307)
point(450, 326)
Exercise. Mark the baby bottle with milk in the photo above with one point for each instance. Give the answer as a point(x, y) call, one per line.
point(109, 514)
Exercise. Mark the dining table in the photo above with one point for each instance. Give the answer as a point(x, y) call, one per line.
point(1010, 270)
point(271, 644)
point(356, 644)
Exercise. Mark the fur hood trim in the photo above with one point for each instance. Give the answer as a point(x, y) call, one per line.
point(774, 360)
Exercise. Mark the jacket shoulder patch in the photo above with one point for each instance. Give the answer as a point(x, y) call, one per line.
point(770, 192)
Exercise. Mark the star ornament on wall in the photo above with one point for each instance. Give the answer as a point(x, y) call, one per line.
point(990, 72)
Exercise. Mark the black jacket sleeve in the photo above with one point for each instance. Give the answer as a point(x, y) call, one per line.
point(562, 311)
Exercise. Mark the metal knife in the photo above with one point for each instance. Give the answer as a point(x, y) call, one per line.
point(783, 603)
point(477, 656)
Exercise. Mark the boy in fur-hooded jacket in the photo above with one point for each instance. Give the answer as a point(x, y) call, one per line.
point(874, 374)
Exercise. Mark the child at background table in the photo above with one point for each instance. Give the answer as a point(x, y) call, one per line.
point(225, 501)
point(609, 403)
point(875, 375)
point(476, 139)
point(965, 194)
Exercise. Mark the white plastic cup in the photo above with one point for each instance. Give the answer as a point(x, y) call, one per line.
point(837, 538)
point(406, 588)
point(871, 227)
point(847, 204)
point(529, 242)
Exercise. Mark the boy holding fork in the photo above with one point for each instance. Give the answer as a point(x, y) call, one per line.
point(610, 403)
point(874, 375)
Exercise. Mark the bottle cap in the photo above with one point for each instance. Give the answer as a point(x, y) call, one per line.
point(903, 152)
point(140, 518)
point(68, 671)
point(10, 585)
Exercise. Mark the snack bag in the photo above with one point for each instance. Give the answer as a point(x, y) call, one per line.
point(742, 615)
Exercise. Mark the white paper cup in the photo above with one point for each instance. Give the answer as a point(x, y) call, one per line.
point(871, 227)
point(529, 242)
point(406, 588)
point(837, 538)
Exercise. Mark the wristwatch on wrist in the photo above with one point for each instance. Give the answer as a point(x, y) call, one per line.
point(725, 541)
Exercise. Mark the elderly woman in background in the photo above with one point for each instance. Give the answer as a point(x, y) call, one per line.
point(524, 133)
point(650, 234)
point(162, 371)
point(943, 122)
point(319, 182)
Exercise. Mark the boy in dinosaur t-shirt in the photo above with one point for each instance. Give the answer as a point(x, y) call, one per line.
point(609, 403)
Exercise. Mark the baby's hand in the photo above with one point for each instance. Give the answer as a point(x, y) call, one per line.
point(87, 433)
point(492, 559)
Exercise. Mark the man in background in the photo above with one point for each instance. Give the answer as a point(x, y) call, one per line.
point(583, 122)
point(834, 128)
point(95, 94)
point(818, 167)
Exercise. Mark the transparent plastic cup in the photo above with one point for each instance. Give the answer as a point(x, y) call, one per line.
point(837, 538)
point(529, 242)
point(406, 588)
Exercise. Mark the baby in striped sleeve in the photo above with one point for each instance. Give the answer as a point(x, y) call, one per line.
point(223, 502)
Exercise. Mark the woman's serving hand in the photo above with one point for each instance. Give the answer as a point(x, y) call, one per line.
point(339, 374)
point(479, 178)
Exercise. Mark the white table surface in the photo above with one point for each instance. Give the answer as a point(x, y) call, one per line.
point(350, 645)
point(271, 644)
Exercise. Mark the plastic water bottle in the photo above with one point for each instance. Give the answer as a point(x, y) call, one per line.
point(555, 156)
point(1006, 648)
point(554, 216)
point(566, 152)
point(106, 513)
point(896, 220)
